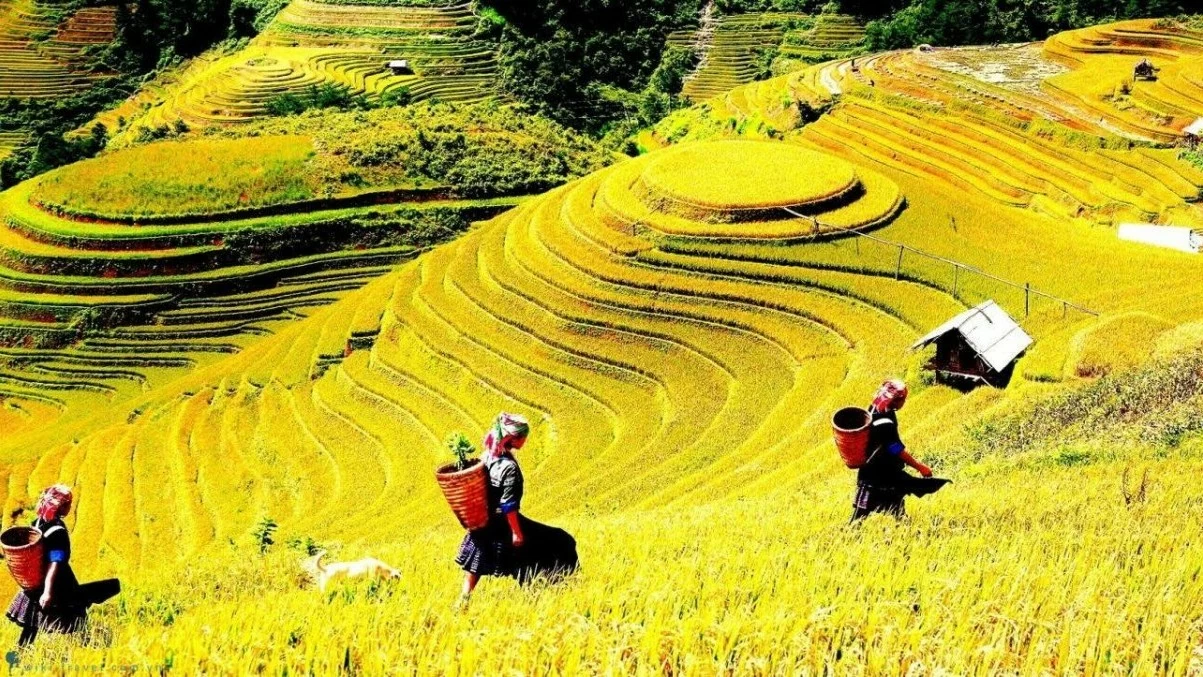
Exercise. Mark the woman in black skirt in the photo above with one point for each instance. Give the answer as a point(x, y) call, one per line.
point(511, 544)
point(882, 482)
point(54, 607)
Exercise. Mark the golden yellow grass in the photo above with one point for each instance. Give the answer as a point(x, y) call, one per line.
point(1116, 343)
point(747, 174)
point(725, 557)
point(1034, 571)
point(680, 394)
point(187, 177)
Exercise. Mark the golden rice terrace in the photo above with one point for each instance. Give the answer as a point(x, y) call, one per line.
point(251, 370)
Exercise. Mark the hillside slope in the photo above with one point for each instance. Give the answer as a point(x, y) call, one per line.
point(679, 327)
point(122, 272)
point(679, 354)
point(736, 49)
point(1010, 123)
point(311, 44)
point(43, 50)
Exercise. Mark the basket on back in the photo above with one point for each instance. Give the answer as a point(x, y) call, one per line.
point(850, 426)
point(23, 552)
point(467, 492)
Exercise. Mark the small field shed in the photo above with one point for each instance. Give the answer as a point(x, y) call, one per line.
point(979, 346)
point(1192, 133)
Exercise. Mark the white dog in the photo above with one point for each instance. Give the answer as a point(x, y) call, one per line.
point(367, 567)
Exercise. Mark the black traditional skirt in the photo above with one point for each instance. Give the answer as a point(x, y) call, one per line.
point(69, 609)
point(546, 551)
point(58, 617)
point(870, 499)
point(488, 551)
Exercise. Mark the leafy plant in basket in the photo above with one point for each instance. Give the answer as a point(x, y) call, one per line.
point(465, 484)
point(462, 449)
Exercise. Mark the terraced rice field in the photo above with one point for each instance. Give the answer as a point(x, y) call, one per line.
point(678, 327)
point(731, 45)
point(9, 141)
point(987, 120)
point(200, 245)
point(1103, 58)
point(832, 36)
point(39, 57)
point(178, 285)
point(316, 43)
point(669, 358)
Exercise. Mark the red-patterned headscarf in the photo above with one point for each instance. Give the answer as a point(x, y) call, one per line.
point(55, 503)
point(891, 396)
point(507, 428)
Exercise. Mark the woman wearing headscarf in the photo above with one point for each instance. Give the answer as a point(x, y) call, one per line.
point(511, 544)
point(882, 482)
point(54, 606)
point(61, 604)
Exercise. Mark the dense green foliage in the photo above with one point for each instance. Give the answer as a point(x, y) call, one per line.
point(152, 32)
point(249, 17)
point(330, 95)
point(47, 121)
point(962, 22)
point(560, 56)
point(324, 158)
point(504, 153)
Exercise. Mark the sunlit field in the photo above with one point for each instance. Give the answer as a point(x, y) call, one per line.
point(678, 327)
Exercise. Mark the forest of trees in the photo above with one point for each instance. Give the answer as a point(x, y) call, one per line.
point(904, 23)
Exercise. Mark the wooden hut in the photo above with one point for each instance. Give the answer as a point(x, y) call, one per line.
point(1192, 133)
point(1144, 70)
point(979, 346)
point(399, 67)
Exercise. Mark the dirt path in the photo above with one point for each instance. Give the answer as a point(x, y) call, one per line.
point(703, 39)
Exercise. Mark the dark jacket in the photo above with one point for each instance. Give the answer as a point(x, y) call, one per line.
point(885, 467)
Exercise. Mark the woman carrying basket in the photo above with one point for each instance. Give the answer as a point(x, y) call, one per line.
point(511, 544)
point(60, 604)
point(882, 482)
point(53, 606)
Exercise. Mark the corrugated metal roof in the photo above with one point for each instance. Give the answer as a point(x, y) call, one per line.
point(1195, 127)
point(989, 330)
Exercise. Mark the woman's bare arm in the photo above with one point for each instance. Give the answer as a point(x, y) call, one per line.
point(516, 527)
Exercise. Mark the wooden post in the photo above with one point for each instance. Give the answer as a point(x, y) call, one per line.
point(898, 268)
point(1064, 309)
point(1027, 299)
point(956, 278)
point(858, 245)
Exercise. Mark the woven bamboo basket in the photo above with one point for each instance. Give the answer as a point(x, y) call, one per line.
point(23, 551)
point(850, 427)
point(467, 492)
